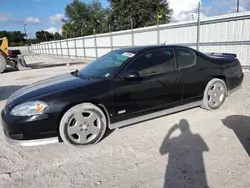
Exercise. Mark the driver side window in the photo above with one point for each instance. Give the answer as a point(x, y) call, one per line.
point(153, 63)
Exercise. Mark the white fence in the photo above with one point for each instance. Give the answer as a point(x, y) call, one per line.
point(24, 49)
point(227, 33)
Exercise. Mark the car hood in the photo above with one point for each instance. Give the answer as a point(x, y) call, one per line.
point(48, 86)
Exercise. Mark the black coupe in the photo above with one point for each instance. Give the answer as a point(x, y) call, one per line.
point(121, 88)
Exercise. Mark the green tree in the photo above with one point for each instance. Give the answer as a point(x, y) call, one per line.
point(83, 19)
point(142, 12)
point(69, 30)
point(57, 36)
point(42, 36)
point(15, 38)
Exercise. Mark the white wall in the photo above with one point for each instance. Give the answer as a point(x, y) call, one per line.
point(23, 49)
point(227, 33)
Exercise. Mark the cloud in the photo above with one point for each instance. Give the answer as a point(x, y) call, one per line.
point(3, 17)
point(52, 30)
point(60, 30)
point(56, 19)
point(227, 6)
point(184, 10)
point(245, 4)
point(32, 20)
point(36, 0)
point(187, 10)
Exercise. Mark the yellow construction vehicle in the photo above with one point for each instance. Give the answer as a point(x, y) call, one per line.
point(12, 58)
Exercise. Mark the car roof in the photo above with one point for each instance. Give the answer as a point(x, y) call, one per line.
point(141, 49)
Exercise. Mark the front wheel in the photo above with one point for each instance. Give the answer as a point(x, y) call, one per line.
point(215, 94)
point(83, 124)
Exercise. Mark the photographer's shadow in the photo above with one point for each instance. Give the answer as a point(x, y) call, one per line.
point(185, 167)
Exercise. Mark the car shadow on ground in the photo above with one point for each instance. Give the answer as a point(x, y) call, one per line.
point(185, 166)
point(107, 133)
point(6, 91)
point(241, 127)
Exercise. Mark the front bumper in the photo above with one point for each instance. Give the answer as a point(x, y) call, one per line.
point(30, 131)
point(32, 142)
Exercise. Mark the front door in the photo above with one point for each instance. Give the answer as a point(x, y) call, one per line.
point(160, 85)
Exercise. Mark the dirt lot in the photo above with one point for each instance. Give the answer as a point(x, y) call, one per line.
point(194, 148)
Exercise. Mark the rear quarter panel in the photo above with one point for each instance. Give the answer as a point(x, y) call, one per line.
point(196, 78)
point(230, 70)
point(233, 74)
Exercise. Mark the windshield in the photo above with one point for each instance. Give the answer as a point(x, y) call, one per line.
point(106, 65)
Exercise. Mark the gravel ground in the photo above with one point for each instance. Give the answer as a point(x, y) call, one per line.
point(193, 148)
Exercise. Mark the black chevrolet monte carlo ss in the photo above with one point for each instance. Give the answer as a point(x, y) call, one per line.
point(121, 88)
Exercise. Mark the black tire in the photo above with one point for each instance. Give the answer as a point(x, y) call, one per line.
point(208, 100)
point(82, 125)
point(3, 63)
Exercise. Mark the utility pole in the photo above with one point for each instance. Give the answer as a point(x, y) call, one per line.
point(158, 28)
point(24, 26)
point(110, 28)
point(198, 25)
point(26, 36)
point(132, 32)
point(110, 37)
point(238, 5)
point(30, 36)
point(131, 23)
point(45, 36)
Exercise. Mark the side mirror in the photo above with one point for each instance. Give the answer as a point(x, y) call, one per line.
point(132, 75)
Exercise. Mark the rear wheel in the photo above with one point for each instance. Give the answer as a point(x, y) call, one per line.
point(3, 63)
point(83, 124)
point(215, 94)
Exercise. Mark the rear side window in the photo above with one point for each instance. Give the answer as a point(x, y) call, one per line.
point(154, 62)
point(185, 57)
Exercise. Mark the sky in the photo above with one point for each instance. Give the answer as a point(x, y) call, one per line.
point(47, 14)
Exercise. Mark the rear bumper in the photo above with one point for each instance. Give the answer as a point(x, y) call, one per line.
point(234, 82)
point(234, 90)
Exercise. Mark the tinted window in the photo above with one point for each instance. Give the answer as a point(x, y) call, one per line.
point(155, 62)
point(185, 57)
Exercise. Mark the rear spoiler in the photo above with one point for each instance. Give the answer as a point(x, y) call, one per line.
point(222, 54)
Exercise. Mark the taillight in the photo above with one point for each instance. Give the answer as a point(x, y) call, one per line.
point(240, 65)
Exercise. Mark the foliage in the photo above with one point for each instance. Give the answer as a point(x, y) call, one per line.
point(141, 12)
point(15, 38)
point(57, 36)
point(42, 36)
point(90, 18)
point(85, 19)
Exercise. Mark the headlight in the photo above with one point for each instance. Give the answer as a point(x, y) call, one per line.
point(29, 108)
